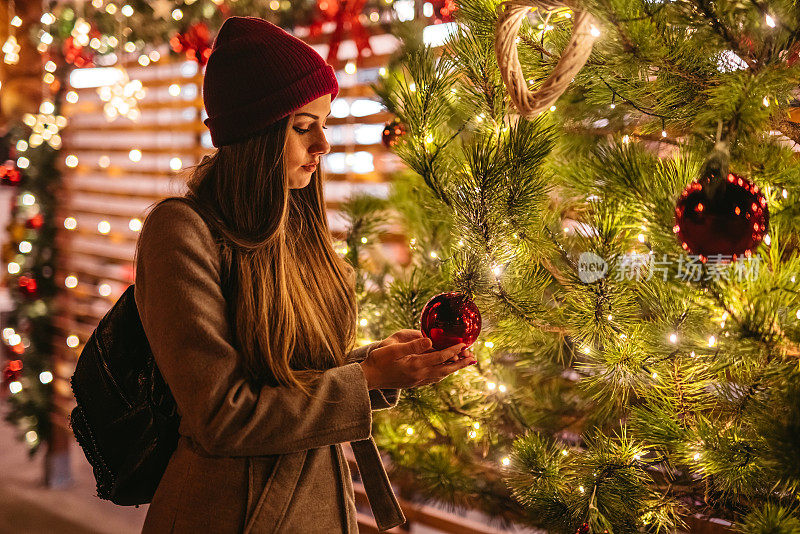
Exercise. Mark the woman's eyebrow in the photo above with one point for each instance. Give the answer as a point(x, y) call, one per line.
point(312, 115)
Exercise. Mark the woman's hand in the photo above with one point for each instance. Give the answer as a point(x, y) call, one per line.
point(406, 335)
point(403, 361)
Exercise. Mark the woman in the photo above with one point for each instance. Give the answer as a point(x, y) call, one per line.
point(251, 314)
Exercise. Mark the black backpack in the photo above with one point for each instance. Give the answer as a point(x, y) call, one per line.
point(126, 419)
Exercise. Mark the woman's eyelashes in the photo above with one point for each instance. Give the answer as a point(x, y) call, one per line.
point(301, 131)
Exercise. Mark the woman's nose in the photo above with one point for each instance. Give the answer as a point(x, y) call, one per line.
point(320, 146)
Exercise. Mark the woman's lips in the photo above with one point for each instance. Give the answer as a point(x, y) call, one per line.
point(310, 168)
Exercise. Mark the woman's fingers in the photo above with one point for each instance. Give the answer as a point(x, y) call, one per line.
point(442, 371)
point(439, 357)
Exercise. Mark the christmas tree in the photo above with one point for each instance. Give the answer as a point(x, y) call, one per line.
point(632, 249)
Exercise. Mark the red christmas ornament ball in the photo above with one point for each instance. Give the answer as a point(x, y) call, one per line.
point(731, 220)
point(583, 529)
point(449, 319)
point(9, 174)
point(12, 371)
point(35, 222)
point(392, 131)
point(28, 286)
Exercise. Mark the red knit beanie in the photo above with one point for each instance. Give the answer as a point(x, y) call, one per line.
point(257, 74)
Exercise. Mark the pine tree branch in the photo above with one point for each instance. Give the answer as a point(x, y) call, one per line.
point(705, 7)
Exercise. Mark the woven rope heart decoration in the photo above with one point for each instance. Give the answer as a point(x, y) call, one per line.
point(511, 14)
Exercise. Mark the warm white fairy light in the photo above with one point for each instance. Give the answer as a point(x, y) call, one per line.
point(71, 161)
point(11, 50)
point(45, 377)
point(767, 240)
point(673, 338)
point(770, 21)
point(564, 452)
point(489, 345)
point(175, 164)
point(476, 425)
point(177, 14)
point(104, 290)
point(663, 133)
point(15, 387)
point(134, 225)
point(409, 430)
point(71, 281)
point(797, 314)
point(28, 199)
point(135, 155)
point(581, 489)
point(45, 126)
point(103, 227)
point(70, 223)
point(122, 97)
point(364, 239)
point(502, 388)
point(363, 322)
point(765, 101)
point(350, 67)
point(73, 341)
point(412, 87)
point(491, 386)
point(505, 461)
point(25, 247)
point(8, 332)
point(595, 31)
point(80, 32)
point(472, 434)
point(23, 162)
point(552, 108)
point(641, 238)
point(22, 145)
point(13, 267)
point(626, 139)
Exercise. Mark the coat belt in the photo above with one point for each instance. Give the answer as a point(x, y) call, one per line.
point(379, 491)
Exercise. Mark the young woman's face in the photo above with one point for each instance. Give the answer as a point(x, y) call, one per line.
point(305, 141)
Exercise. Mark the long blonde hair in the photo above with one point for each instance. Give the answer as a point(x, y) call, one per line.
point(291, 298)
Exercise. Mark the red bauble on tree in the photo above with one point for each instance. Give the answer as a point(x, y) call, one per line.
point(35, 222)
point(195, 43)
point(9, 174)
point(449, 319)
point(12, 372)
point(28, 286)
point(584, 529)
point(721, 216)
point(392, 131)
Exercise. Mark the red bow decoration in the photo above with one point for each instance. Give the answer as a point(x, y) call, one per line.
point(347, 15)
point(195, 42)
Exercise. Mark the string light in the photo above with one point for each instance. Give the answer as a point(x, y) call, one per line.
point(765, 101)
point(770, 21)
point(673, 338)
point(712, 341)
point(505, 461)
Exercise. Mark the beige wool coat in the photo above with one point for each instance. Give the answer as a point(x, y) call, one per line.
point(254, 461)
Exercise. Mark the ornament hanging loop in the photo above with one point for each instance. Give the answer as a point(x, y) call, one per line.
point(510, 17)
